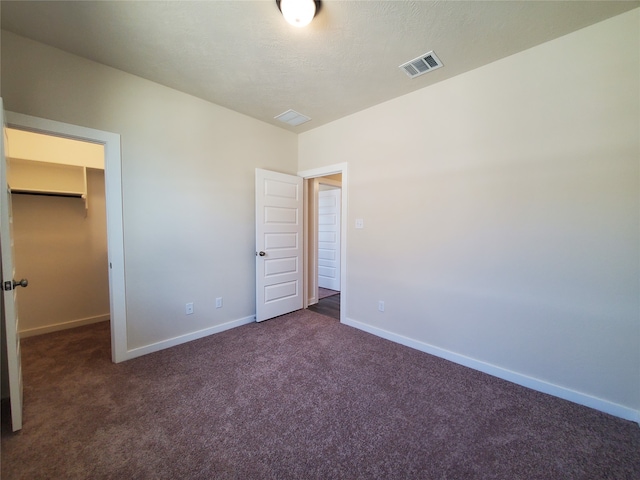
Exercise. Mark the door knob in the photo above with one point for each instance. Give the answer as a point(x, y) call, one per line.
point(262, 254)
point(22, 283)
point(8, 286)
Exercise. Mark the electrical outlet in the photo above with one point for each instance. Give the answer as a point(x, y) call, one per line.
point(219, 302)
point(188, 308)
point(381, 305)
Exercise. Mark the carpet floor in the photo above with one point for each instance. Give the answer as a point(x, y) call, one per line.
point(297, 397)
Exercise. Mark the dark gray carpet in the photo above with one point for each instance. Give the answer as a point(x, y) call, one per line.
point(296, 397)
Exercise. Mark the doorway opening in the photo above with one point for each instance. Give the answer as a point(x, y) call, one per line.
point(326, 216)
point(59, 231)
point(325, 229)
point(113, 207)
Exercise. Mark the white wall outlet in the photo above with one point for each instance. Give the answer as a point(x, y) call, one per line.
point(381, 305)
point(219, 302)
point(188, 308)
point(359, 223)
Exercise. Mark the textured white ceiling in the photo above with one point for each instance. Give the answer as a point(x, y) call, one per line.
point(241, 54)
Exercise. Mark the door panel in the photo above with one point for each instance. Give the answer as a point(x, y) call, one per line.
point(279, 230)
point(14, 364)
point(329, 238)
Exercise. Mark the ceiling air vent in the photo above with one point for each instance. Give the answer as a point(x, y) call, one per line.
point(423, 64)
point(292, 117)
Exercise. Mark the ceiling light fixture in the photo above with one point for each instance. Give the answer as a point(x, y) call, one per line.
point(298, 13)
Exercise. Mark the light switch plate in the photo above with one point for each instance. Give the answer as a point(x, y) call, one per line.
point(359, 223)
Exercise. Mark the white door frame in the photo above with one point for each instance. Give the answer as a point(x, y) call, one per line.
point(323, 172)
point(113, 197)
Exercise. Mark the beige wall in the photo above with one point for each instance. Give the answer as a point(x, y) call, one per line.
point(188, 184)
point(501, 215)
point(47, 148)
point(337, 177)
point(63, 253)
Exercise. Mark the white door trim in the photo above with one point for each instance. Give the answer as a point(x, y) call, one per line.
point(113, 197)
point(323, 172)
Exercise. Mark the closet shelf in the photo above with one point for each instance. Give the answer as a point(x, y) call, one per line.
point(30, 177)
point(51, 193)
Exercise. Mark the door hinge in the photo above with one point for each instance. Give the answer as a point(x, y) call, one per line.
point(8, 286)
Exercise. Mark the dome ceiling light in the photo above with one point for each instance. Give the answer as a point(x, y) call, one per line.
point(298, 13)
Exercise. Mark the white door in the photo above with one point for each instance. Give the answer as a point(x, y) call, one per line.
point(329, 238)
point(279, 240)
point(8, 289)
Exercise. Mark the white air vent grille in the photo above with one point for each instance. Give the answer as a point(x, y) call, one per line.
point(292, 117)
point(423, 64)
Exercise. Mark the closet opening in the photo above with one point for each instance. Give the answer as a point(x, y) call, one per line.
point(59, 230)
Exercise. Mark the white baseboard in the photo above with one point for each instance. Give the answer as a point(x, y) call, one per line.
point(172, 342)
point(529, 382)
point(32, 332)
